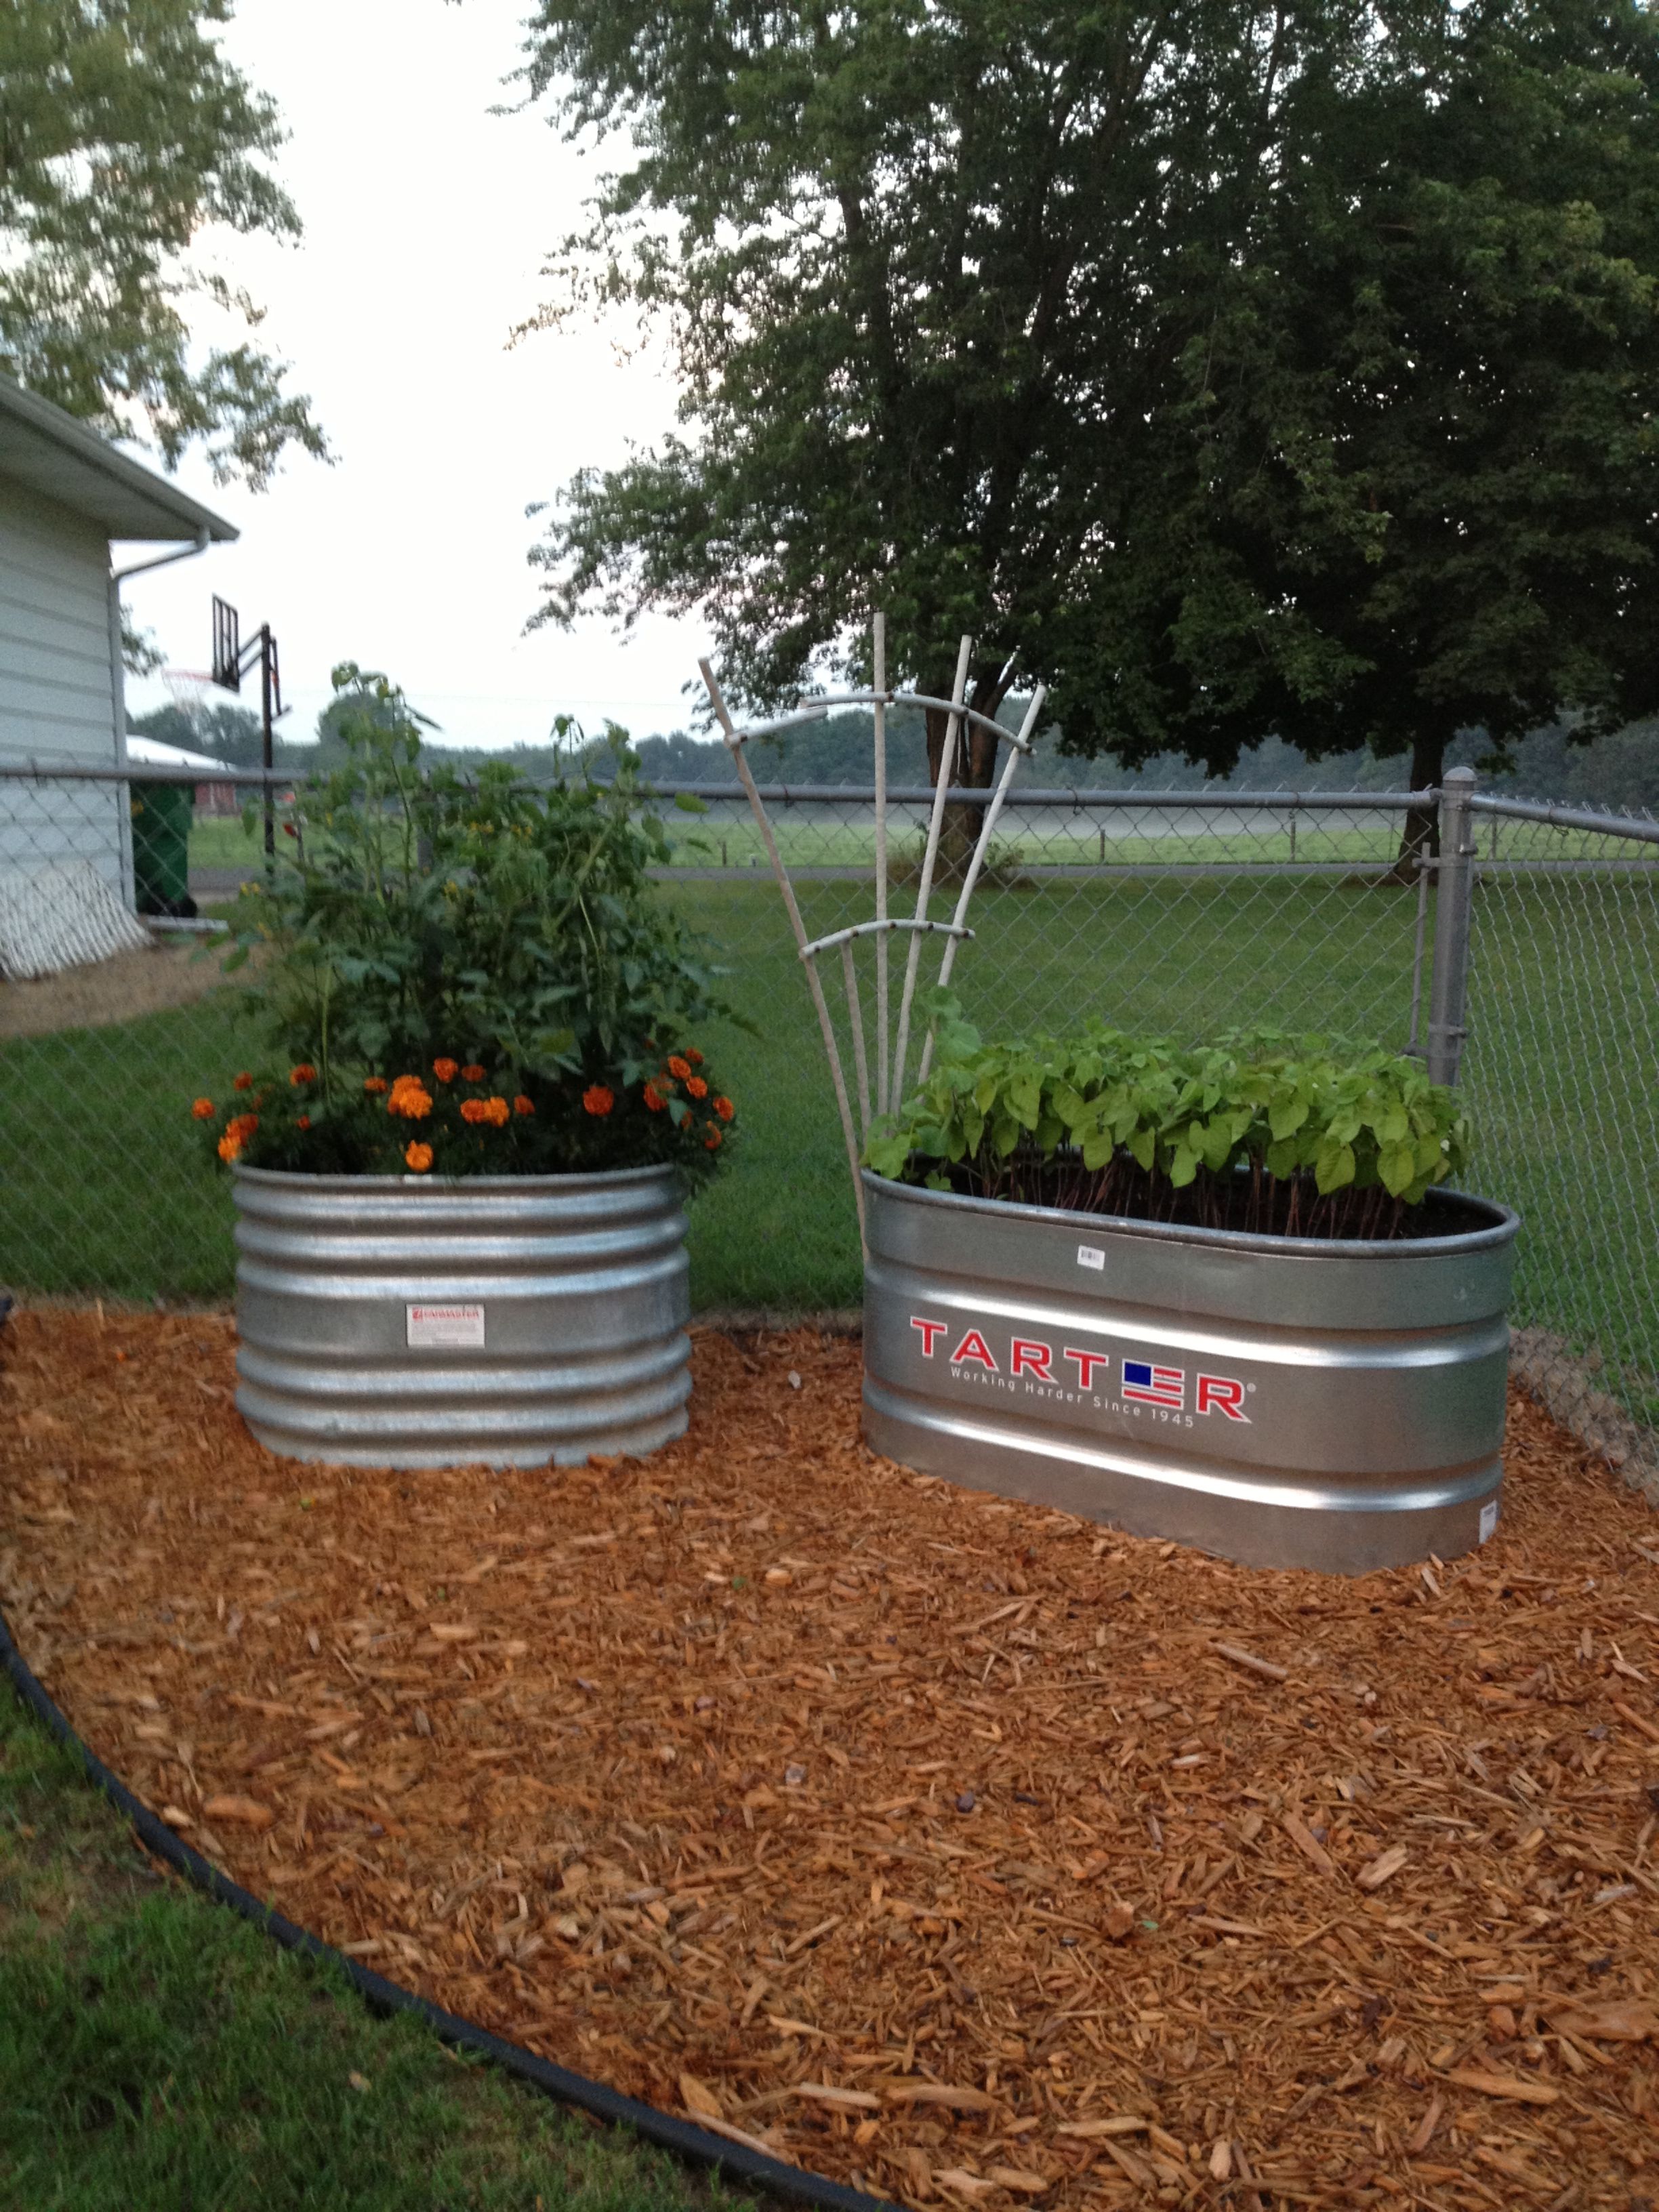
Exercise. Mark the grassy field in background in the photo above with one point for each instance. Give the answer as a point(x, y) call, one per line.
point(156, 2054)
point(814, 837)
point(120, 1197)
point(811, 835)
point(103, 1186)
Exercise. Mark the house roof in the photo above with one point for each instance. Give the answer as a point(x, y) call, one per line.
point(42, 447)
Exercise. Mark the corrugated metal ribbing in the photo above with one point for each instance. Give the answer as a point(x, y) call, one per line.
point(390, 1321)
point(1281, 1401)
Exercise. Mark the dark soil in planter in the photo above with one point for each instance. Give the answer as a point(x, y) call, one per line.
point(1263, 1205)
point(969, 1851)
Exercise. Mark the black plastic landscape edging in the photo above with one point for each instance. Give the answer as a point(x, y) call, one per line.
point(697, 2146)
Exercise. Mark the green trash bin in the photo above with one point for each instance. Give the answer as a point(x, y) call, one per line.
point(162, 815)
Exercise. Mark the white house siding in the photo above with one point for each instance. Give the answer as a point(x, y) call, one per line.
point(56, 702)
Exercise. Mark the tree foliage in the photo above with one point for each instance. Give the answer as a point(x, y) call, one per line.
point(1234, 368)
point(125, 134)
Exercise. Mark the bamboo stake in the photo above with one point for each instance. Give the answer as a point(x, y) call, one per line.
point(936, 822)
point(1017, 750)
point(856, 1015)
point(879, 627)
point(734, 745)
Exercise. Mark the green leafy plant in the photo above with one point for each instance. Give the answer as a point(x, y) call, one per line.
point(1297, 1136)
point(498, 950)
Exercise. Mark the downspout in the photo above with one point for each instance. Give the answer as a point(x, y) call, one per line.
point(117, 666)
point(117, 692)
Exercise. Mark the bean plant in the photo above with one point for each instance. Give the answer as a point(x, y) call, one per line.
point(1307, 1136)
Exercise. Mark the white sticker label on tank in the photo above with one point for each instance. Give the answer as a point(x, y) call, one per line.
point(1091, 1255)
point(1488, 1518)
point(447, 1328)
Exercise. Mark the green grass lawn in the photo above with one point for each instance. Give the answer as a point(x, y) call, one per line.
point(103, 1187)
point(157, 2055)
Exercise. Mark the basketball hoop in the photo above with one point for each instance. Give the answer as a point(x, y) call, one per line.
point(188, 690)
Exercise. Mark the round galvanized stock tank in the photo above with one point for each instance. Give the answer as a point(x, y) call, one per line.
point(391, 1320)
point(1282, 1402)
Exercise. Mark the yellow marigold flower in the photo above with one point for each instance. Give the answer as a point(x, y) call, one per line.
point(204, 1109)
point(418, 1157)
point(598, 1100)
point(695, 1087)
point(305, 1073)
point(446, 1070)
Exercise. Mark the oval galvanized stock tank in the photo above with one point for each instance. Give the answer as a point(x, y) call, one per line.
point(388, 1321)
point(1279, 1401)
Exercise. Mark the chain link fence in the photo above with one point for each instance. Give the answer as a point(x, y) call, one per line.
point(1183, 913)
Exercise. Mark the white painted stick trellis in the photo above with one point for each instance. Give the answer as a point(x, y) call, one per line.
point(892, 1051)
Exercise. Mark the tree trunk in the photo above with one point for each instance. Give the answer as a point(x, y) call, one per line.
point(1419, 840)
point(974, 769)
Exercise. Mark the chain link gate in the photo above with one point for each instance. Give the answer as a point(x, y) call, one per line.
point(1186, 913)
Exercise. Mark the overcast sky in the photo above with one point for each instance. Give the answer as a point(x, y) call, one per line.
point(426, 222)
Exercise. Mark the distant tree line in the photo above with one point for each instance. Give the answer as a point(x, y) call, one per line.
point(1620, 770)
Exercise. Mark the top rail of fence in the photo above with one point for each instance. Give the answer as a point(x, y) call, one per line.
point(1077, 798)
point(1068, 798)
point(1644, 832)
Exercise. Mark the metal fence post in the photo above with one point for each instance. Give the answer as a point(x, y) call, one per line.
point(1454, 886)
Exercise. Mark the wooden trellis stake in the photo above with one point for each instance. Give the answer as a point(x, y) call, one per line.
point(886, 1093)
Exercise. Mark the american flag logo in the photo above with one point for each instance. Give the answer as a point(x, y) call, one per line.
point(1153, 1386)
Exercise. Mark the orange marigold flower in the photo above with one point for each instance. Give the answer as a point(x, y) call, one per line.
point(695, 1087)
point(204, 1109)
point(724, 1108)
point(305, 1073)
point(304, 1122)
point(237, 1134)
point(496, 1110)
point(714, 1141)
point(653, 1098)
point(418, 1157)
point(522, 1105)
point(472, 1073)
point(598, 1100)
point(446, 1070)
point(694, 1055)
point(680, 1067)
point(375, 1084)
point(410, 1100)
point(243, 1081)
point(474, 1109)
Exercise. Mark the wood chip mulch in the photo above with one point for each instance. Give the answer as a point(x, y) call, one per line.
point(961, 1850)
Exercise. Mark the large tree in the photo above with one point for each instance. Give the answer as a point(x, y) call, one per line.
point(1231, 367)
point(124, 133)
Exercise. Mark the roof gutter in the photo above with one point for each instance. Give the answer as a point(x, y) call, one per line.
point(117, 672)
